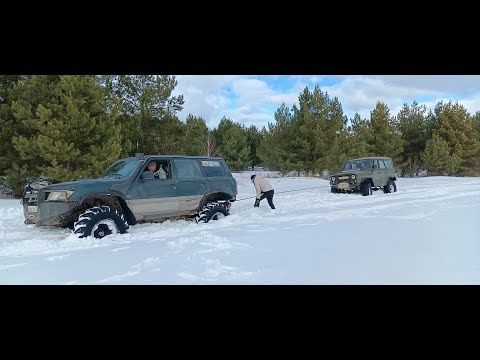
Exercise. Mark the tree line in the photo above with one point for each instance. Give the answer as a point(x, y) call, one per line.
point(72, 126)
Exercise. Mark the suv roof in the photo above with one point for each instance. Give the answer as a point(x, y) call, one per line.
point(143, 156)
point(370, 158)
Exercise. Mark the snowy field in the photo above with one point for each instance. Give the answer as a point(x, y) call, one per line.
point(425, 233)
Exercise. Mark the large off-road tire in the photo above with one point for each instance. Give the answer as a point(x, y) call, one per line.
point(390, 188)
point(212, 211)
point(100, 221)
point(367, 189)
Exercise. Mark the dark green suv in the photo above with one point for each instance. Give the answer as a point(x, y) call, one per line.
point(364, 175)
point(193, 187)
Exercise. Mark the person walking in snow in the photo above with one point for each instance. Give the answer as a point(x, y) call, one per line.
point(264, 190)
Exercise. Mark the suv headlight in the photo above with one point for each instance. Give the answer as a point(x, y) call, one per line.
point(333, 178)
point(353, 177)
point(59, 195)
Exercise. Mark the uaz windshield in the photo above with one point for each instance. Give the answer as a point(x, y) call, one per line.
point(357, 165)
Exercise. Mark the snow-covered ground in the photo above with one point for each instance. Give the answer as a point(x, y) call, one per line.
point(425, 233)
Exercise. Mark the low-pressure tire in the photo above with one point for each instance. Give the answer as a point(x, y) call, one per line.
point(100, 221)
point(367, 189)
point(212, 211)
point(391, 187)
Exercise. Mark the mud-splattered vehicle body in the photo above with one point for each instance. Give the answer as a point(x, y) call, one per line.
point(198, 188)
point(365, 175)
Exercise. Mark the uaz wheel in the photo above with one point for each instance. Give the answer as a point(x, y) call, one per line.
point(367, 189)
point(100, 221)
point(391, 187)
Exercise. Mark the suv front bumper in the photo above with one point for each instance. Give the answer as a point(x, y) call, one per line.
point(55, 213)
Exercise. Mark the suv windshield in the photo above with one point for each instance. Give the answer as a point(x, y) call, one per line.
point(357, 165)
point(121, 167)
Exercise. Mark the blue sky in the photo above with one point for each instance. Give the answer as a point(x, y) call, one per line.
point(252, 99)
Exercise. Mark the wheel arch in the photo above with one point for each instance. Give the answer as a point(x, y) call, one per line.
point(367, 180)
point(112, 200)
point(216, 196)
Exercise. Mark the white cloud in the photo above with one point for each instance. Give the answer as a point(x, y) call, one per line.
point(204, 95)
point(361, 94)
point(211, 97)
point(250, 99)
point(472, 104)
point(462, 85)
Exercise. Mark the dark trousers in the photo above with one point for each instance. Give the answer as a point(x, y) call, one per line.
point(269, 196)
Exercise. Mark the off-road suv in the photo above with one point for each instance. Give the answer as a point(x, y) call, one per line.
point(364, 175)
point(197, 188)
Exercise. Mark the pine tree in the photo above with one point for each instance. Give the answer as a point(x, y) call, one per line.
point(276, 151)
point(432, 119)
point(437, 158)
point(360, 136)
point(331, 142)
point(29, 92)
point(305, 132)
point(316, 123)
point(170, 138)
point(8, 124)
point(476, 129)
point(196, 135)
point(254, 138)
point(7, 82)
point(147, 106)
point(231, 141)
point(345, 147)
point(386, 140)
point(71, 134)
point(413, 128)
point(476, 124)
point(220, 131)
point(456, 128)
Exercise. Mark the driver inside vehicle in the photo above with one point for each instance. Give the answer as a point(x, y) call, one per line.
point(157, 173)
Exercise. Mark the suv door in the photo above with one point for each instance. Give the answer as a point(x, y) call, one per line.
point(381, 173)
point(191, 186)
point(153, 198)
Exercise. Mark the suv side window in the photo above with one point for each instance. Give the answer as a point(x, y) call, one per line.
point(161, 164)
point(213, 168)
point(187, 169)
point(381, 165)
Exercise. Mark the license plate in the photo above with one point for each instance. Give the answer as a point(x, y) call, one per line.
point(343, 186)
point(31, 208)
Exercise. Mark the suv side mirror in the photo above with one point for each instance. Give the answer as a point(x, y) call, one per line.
point(147, 175)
